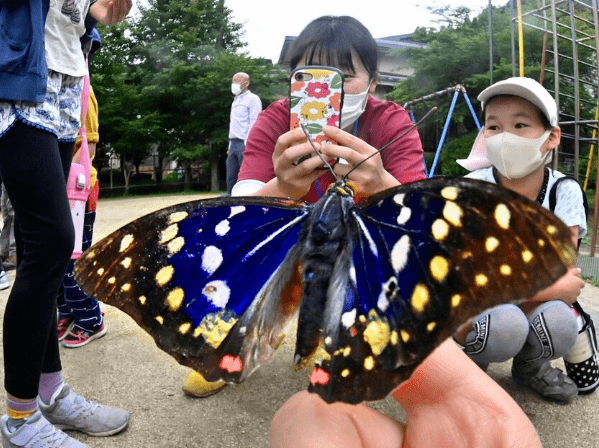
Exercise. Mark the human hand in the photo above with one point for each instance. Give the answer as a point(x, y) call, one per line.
point(109, 12)
point(294, 180)
point(450, 402)
point(566, 289)
point(370, 176)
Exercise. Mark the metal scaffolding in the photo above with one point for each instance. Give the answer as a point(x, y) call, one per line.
point(571, 57)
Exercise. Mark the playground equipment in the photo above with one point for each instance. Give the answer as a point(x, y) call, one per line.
point(568, 26)
point(435, 96)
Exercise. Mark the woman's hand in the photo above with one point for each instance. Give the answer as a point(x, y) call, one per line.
point(109, 12)
point(370, 176)
point(295, 179)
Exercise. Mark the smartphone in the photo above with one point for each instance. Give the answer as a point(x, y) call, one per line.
point(315, 100)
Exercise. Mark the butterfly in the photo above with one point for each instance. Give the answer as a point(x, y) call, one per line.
point(376, 286)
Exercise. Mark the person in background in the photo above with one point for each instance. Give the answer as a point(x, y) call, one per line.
point(80, 319)
point(41, 79)
point(520, 132)
point(244, 111)
point(8, 245)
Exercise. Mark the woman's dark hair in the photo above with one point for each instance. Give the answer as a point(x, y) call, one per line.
point(329, 40)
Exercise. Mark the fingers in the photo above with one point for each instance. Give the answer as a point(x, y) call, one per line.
point(116, 11)
point(293, 148)
point(348, 147)
point(122, 8)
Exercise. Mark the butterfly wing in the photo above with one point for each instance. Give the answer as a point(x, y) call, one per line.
point(209, 279)
point(427, 257)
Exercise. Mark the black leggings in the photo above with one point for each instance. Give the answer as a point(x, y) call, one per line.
point(34, 167)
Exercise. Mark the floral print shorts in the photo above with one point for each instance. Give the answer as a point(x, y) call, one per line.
point(59, 114)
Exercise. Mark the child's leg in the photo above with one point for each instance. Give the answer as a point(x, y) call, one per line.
point(498, 335)
point(553, 332)
point(85, 310)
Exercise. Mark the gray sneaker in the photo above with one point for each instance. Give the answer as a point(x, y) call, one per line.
point(4, 281)
point(68, 410)
point(37, 432)
point(549, 382)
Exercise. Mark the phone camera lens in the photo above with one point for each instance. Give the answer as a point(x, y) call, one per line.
point(300, 77)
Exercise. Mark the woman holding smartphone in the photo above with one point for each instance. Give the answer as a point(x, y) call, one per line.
point(367, 124)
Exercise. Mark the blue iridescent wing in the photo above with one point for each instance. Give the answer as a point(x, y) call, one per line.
point(425, 258)
point(211, 280)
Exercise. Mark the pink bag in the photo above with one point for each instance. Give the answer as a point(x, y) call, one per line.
point(78, 184)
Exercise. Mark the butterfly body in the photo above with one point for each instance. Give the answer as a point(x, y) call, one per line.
point(376, 286)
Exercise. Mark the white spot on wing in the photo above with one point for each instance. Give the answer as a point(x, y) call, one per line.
point(382, 303)
point(398, 198)
point(404, 215)
point(222, 228)
point(237, 209)
point(218, 293)
point(352, 274)
point(348, 318)
point(400, 252)
point(212, 258)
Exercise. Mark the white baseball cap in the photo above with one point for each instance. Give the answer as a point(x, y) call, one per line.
point(526, 88)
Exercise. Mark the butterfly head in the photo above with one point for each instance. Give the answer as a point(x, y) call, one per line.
point(344, 188)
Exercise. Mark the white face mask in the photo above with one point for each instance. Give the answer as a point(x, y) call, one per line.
point(353, 106)
point(516, 156)
point(235, 88)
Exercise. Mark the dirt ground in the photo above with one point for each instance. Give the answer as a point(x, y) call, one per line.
point(126, 369)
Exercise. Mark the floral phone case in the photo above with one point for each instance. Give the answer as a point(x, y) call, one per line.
point(316, 99)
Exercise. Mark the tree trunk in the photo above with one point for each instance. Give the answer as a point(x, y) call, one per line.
point(188, 178)
point(214, 171)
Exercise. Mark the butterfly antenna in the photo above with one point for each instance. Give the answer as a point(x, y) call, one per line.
point(327, 164)
point(433, 109)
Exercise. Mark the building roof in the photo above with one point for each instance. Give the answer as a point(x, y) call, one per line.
point(385, 44)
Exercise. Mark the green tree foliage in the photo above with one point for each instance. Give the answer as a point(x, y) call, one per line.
point(163, 81)
point(458, 53)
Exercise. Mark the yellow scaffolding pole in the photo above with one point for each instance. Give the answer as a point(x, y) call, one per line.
point(586, 178)
point(520, 39)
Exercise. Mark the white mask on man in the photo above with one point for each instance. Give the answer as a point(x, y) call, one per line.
point(516, 156)
point(236, 88)
point(353, 107)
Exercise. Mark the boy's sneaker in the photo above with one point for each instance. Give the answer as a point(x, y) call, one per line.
point(37, 432)
point(69, 410)
point(4, 282)
point(65, 325)
point(549, 382)
point(78, 337)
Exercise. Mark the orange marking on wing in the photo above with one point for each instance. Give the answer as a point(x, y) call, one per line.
point(319, 376)
point(231, 363)
point(292, 293)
